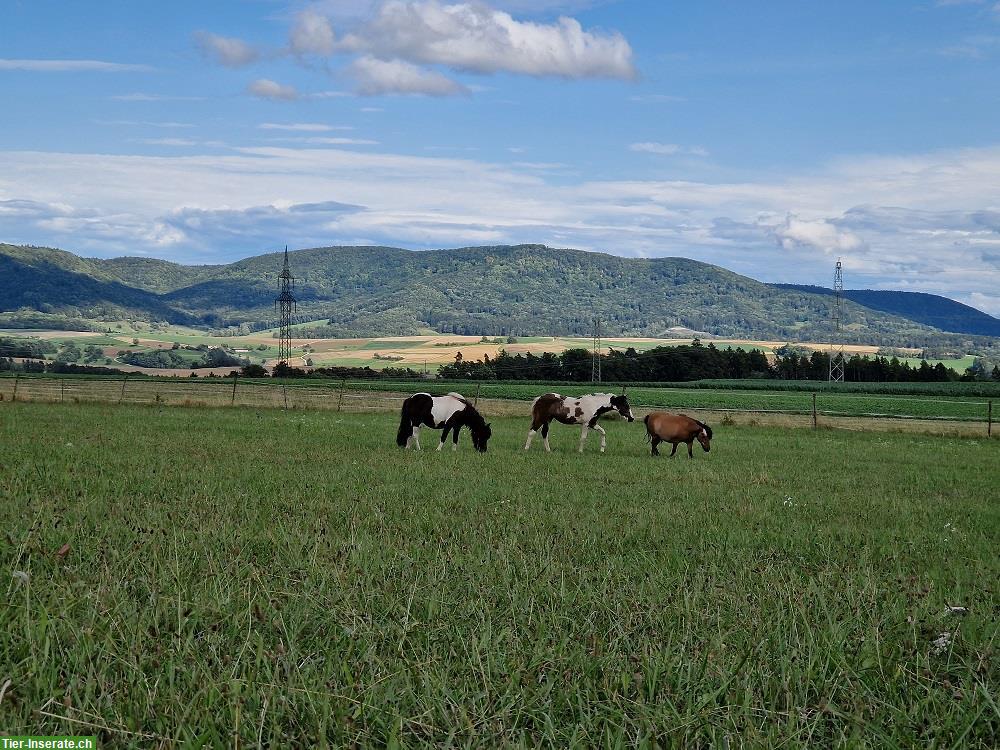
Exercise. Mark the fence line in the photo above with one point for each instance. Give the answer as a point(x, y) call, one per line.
point(361, 396)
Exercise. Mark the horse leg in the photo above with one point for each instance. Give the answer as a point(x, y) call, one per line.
point(583, 437)
point(545, 437)
point(531, 433)
point(416, 436)
point(454, 437)
point(656, 442)
point(444, 436)
point(690, 446)
point(674, 450)
point(604, 437)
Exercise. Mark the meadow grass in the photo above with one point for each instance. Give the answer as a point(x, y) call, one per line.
point(239, 576)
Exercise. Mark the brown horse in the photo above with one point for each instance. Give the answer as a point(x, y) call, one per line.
point(662, 427)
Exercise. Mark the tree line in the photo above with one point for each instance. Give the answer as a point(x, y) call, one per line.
point(698, 362)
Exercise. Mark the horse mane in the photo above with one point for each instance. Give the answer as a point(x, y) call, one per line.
point(474, 419)
point(708, 430)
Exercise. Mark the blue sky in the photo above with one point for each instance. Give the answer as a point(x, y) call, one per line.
point(769, 138)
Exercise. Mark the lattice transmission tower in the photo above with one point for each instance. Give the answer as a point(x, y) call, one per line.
point(595, 360)
point(837, 348)
point(286, 305)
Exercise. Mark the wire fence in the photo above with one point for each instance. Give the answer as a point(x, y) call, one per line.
point(794, 408)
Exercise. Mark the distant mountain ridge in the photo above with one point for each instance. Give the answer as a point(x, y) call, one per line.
point(930, 309)
point(506, 289)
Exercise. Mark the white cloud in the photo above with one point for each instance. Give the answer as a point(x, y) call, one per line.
point(975, 47)
point(225, 50)
point(141, 97)
point(303, 127)
point(376, 77)
point(328, 141)
point(168, 141)
point(146, 123)
point(667, 149)
point(328, 95)
point(924, 222)
point(69, 66)
point(311, 34)
point(820, 234)
point(265, 88)
point(474, 37)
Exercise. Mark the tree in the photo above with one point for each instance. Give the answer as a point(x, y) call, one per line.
point(253, 371)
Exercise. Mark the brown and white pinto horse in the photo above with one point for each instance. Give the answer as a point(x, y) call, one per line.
point(662, 427)
point(449, 413)
point(585, 410)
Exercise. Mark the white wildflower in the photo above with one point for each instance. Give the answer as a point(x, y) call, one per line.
point(942, 643)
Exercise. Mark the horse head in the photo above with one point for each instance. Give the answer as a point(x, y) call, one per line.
point(620, 404)
point(481, 434)
point(705, 436)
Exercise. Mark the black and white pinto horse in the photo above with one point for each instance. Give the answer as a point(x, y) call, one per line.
point(585, 410)
point(450, 413)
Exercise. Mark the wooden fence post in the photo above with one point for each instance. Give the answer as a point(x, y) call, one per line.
point(340, 400)
point(62, 390)
point(124, 383)
point(14, 396)
point(989, 418)
point(236, 377)
point(814, 411)
point(476, 399)
point(284, 392)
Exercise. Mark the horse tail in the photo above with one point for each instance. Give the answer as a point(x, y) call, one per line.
point(645, 421)
point(405, 428)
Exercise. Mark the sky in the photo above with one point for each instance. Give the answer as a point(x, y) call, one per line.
point(770, 138)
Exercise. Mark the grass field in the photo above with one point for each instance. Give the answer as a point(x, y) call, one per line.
point(234, 576)
point(930, 401)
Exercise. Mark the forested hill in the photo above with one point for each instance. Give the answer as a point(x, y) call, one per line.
point(368, 291)
point(929, 309)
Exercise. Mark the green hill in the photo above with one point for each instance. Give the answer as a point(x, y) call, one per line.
point(520, 290)
point(929, 309)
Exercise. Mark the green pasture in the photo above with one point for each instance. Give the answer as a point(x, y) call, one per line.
point(959, 365)
point(927, 406)
point(224, 577)
point(385, 344)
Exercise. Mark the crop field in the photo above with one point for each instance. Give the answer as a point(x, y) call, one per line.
point(415, 352)
point(248, 577)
